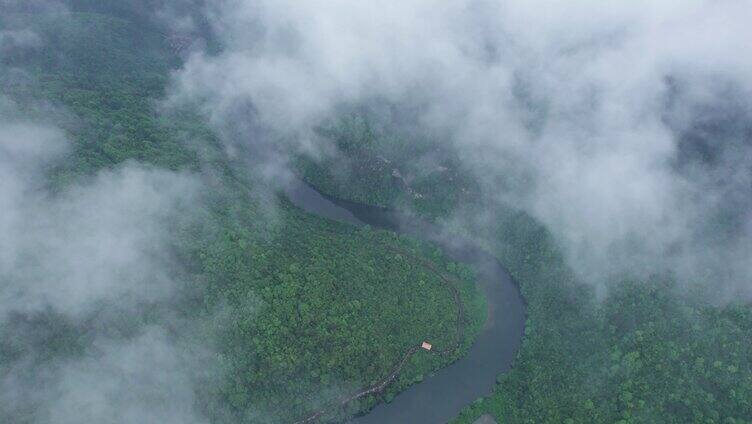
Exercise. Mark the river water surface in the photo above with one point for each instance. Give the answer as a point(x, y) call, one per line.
point(440, 397)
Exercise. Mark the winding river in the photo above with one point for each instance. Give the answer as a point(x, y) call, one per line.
point(440, 397)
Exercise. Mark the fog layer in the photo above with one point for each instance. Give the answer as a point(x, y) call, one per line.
point(85, 272)
point(623, 126)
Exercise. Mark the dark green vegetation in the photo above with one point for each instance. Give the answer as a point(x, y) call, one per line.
point(375, 167)
point(107, 74)
point(648, 353)
point(301, 310)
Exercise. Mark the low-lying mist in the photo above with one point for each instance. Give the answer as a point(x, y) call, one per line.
point(623, 127)
point(87, 280)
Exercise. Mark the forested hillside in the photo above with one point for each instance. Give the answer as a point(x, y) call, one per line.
point(650, 352)
point(152, 270)
point(389, 169)
point(299, 310)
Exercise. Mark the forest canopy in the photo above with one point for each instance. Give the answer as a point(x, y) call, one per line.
point(153, 270)
point(268, 312)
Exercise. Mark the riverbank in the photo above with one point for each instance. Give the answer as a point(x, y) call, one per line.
point(440, 397)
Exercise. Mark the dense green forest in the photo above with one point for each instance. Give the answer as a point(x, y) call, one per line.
point(302, 310)
point(650, 352)
point(383, 168)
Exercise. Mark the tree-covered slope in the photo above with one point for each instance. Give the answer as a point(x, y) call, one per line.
point(375, 166)
point(298, 310)
point(649, 352)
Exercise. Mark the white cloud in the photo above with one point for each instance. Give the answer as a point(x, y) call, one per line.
point(78, 268)
point(574, 94)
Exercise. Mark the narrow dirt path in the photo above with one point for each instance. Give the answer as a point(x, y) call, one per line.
point(383, 383)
